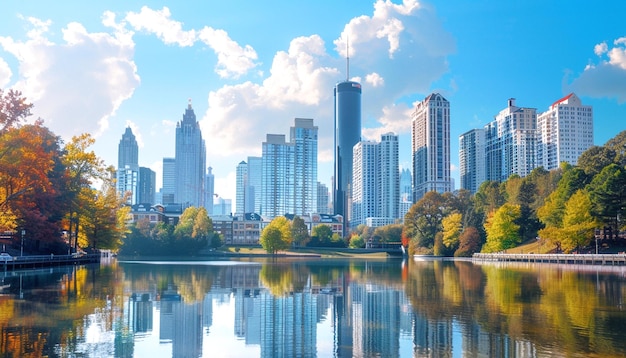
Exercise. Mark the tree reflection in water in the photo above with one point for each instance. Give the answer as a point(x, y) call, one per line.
point(316, 307)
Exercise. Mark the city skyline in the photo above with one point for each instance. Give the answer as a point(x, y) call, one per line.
point(121, 64)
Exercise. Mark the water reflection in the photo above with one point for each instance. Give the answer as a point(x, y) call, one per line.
point(318, 308)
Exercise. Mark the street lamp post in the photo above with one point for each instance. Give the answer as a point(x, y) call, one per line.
point(22, 245)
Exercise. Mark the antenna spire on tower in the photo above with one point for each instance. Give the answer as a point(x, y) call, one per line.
point(347, 57)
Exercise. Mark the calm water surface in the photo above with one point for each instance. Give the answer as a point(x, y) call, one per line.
point(317, 308)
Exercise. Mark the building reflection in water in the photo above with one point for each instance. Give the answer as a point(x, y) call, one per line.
point(367, 320)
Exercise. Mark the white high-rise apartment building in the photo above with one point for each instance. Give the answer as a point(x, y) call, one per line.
point(472, 159)
point(241, 188)
point(289, 171)
point(431, 146)
point(364, 160)
point(565, 132)
point(255, 179)
point(278, 176)
point(376, 182)
point(511, 143)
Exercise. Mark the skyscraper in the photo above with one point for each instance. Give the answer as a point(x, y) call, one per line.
point(289, 171)
point(472, 159)
point(364, 169)
point(376, 182)
point(431, 146)
point(303, 136)
point(565, 131)
point(128, 151)
point(190, 161)
point(127, 174)
point(278, 176)
point(347, 134)
point(169, 181)
point(209, 191)
point(511, 142)
point(255, 180)
point(241, 189)
point(146, 186)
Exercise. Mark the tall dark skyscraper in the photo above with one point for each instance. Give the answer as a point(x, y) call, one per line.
point(190, 161)
point(347, 134)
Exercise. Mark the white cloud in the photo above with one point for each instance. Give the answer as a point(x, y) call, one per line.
point(5, 73)
point(83, 80)
point(158, 22)
point(605, 78)
point(395, 118)
point(240, 116)
point(374, 79)
point(232, 59)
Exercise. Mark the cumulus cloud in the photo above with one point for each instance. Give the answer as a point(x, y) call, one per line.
point(406, 46)
point(374, 79)
point(396, 118)
point(83, 80)
point(239, 116)
point(232, 59)
point(605, 78)
point(159, 22)
point(5, 73)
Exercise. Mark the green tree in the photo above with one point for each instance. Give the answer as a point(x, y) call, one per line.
point(423, 220)
point(356, 242)
point(276, 236)
point(594, 159)
point(578, 222)
point(608, 193)
point(299, 232)
point(323, 233)
point(389, 233)
point(502, 231)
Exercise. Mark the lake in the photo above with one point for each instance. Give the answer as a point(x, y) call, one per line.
point(314, 308)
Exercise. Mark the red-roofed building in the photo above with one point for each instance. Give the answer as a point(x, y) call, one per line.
point(565, 132)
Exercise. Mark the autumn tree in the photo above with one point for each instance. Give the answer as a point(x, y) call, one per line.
point(502, 231)
point(469, 242)
point(276, 236)
point(578, 222)
point(452, 226)
point(322, 234)
point(31, 180)
point(13, 109)
point(83, 169)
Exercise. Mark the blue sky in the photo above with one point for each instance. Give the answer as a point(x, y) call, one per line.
point(251, 67)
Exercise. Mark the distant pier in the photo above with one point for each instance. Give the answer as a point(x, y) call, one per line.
point(40, 261)
point(578, 259)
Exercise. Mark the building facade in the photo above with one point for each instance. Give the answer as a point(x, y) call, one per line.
point(278, 176)
point(511, 143)
point(127, 174)
point(376, 182)
point(347, 135)
point(430, 134)
point(565, 131)
point(168, 190)
point(303, 136)
point(472, 159)
point(146, 186)
point(209, 190)
point(190, 161)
